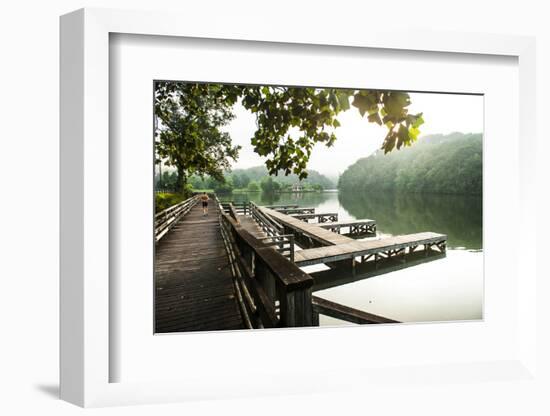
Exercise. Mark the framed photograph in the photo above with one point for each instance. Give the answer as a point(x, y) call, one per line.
point(292, 210)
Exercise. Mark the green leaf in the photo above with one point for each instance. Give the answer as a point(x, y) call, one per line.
point(375, 118)
point(333, 100)
point(389, 142)
point(413, 133)
point(361, 102)
point(402, 136)
point(419, 121)
point(343, 100)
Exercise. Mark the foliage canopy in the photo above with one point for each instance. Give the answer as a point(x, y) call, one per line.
point(290, 121)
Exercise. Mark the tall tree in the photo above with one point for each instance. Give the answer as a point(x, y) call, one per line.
point(189, 130)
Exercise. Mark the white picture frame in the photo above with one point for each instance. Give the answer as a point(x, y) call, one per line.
point(84, 343)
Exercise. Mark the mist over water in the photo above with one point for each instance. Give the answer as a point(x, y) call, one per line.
point(443, 290)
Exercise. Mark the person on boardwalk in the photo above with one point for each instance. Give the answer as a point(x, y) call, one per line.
point(204, 199)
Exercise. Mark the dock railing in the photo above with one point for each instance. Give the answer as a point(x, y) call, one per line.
point(241, 207)
point(272, 291)
point(275, 237)
point(166, 219)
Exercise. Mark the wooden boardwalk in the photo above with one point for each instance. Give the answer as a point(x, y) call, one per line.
point(193, 281)
point(198, 288)
point(389, 246)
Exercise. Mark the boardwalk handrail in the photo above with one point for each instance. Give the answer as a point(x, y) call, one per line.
point(240, 207)
point(269, 225)
point(167, 218)
point(274, 232)
point(305, 234)
point(275, 292)
point(233, 213)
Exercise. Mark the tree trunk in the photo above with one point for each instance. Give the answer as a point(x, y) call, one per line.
point(181, 181)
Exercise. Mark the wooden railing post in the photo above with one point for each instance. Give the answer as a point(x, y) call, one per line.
point(296, 308)
point(264, 277)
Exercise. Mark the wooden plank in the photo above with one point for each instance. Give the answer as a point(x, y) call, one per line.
point(345, 313)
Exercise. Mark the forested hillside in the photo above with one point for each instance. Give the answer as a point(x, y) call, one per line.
point(257, 173)
point(251, 179)
point(450, 164)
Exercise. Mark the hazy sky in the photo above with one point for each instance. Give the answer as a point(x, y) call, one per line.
point(357, 138)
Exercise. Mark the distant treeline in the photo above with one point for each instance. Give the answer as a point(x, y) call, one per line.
point(449, 164)
point(252, 180)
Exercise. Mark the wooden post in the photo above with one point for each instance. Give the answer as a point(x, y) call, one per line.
point(296, 308)
point(265, 279)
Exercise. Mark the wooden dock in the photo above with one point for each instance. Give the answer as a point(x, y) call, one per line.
point(193, 281)
point(366, 250)
point(350, 260)
point(296, 210)
point(356, 228)
point(321, 217)
point(307, 235)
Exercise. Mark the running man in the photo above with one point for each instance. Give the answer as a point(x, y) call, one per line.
point(204, 199)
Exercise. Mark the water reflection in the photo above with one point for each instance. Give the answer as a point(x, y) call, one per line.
point(458, 216)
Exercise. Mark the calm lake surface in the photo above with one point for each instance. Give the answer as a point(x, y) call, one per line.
point(442, 290)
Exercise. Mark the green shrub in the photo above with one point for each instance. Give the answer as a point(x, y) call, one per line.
point(165, 200)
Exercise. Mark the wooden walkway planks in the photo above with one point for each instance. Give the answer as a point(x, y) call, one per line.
point(363, 248)
point(193, 282)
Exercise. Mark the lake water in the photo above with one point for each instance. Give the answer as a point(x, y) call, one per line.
point(446, 289)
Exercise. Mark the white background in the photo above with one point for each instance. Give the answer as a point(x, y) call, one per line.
point(29, 225)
